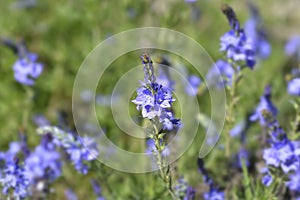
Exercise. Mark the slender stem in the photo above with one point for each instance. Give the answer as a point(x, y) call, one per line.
point(164, 173)
point(230, 111)
point(27, 108)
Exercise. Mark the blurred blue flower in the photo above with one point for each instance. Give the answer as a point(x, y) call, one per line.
point(294, 181)
point(267, 178)
point(70, 195)
point(194, 83)
point(183, 190)
point(44, 162)
point(292, 47)
point(97, 190)
point(15, 178)
point(253, 29)
point(151, 148)
point(80, 150)
point(214, 194)
point(220, 74)
point(293, 87)
point(27, 69)
point(40, 120)
point(264, 107)
point(243, 156)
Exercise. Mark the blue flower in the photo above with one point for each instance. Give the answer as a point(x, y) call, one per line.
point(80, 150)
point(154, 99)
point(151, 148)
point(243, 156)
point(294, 181)
point(183, 190)
point(27, 69)
point(70, 195)
point(214, 194)
point(293, 87)
point(15, 178)
point(220, 74)
point(238, 47)
point(44, 162)
point(292, 47)
point(267, 178)
point(264, 107)
point(254, 30)
point(194, 83)
point(97, 190)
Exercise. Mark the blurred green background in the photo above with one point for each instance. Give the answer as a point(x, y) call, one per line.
point(63, 32)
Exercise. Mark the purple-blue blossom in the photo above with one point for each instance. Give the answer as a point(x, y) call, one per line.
point(97, 190)
point(80, 150)
point(27, 69)
point(293, 87)
point(44, 162)
point(15, 178)
point(154, 99)
point(214, 193)
point(183, 190)
point(220, 74)
point(253, 29)
point(292, 47)
point(70, 195)
point(235, 44)
point(194, 83)
point(265, 106)
point(151, 148)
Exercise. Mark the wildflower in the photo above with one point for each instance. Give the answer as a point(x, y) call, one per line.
point(184, 191)
point(194, 83)
point(70, 195)
point(221, 74)
point(154, 99)
point(294, 181)
point(152, 149)
point(254, 30)
point(44, 162)
point(15, 178)
point(27, 69)
point(80, 150)
point(237, 46)
point(164, 77)
point(97, 190)
point(264, 107)
point(267, 178)
point(293, 87)
point(214, 193)
point(292, 47)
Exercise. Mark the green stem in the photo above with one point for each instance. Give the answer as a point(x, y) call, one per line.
point(165, 174)
point(27, 108)
point(229, 114)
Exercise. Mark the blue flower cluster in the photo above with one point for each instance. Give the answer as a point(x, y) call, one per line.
point(283, 153)
point(239, 52)
point(237, 46)
point(43, 165)
point(155, 100)
point(80, 150)
point(183, 190)
point(213, 193)
point(26, 68)
point(292, 48)
point(254, 30)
